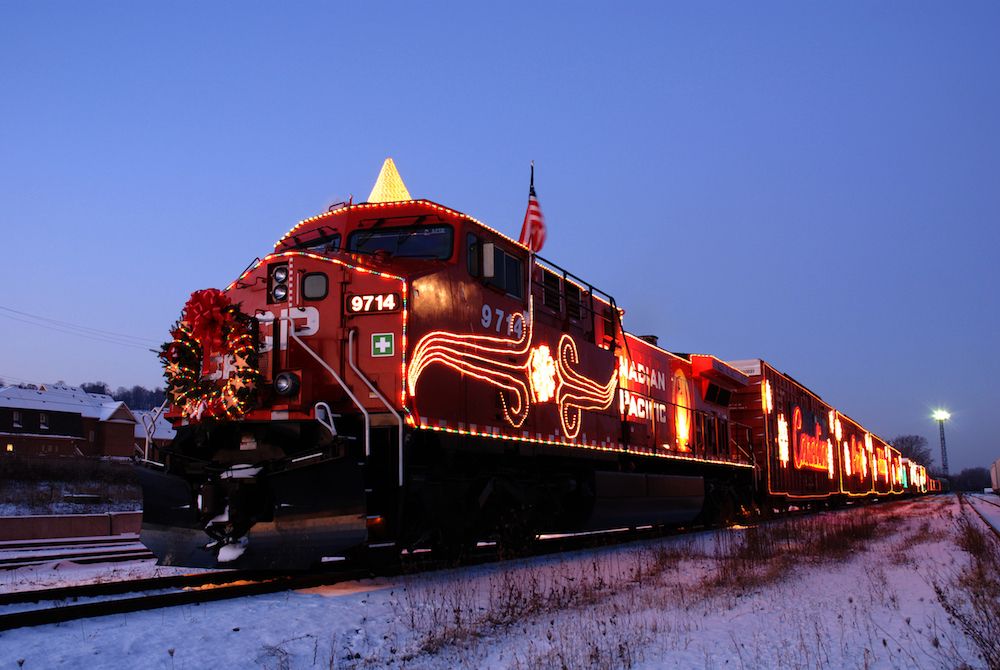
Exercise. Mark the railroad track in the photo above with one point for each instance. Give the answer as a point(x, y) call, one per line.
point(966, 503)
point(153, 594)
point(26, 553)
point(61, 604)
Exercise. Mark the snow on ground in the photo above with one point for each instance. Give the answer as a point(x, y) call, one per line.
point(762, 597)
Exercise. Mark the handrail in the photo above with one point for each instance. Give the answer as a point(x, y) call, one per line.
point(336, 377)
point(362, 377)
point(328, 424)
point(150, 427)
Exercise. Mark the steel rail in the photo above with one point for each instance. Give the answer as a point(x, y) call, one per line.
point(63, 613)
point(985, 521)
point(83, 559)
point(119, 587)
point(58, 542)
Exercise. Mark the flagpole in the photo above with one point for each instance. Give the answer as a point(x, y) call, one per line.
point(531, 250)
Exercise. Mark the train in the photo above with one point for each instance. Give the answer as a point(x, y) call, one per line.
point(396, 375)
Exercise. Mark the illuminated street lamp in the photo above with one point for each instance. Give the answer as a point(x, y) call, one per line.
point(941, 416)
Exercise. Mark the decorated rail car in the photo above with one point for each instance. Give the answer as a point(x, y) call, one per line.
point(808, 451)
point(398, 375)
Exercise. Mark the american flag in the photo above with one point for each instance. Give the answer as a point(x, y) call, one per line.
point(533, 228)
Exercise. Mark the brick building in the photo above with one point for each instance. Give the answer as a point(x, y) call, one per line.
point(59, 420)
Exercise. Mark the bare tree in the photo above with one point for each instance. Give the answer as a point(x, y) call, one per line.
point(915, 448)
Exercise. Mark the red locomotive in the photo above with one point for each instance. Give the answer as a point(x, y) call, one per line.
point(397, 374)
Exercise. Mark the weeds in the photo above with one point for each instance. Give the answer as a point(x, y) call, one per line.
point(762, 554)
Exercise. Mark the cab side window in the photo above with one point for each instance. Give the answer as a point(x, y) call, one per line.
point(508, 270)
point(508, 273)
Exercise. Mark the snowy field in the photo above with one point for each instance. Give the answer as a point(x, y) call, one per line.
point(851, 589)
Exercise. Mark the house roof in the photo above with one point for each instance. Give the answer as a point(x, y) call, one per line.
point(62, 398)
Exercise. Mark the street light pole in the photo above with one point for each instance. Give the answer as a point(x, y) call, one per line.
point(941, 416)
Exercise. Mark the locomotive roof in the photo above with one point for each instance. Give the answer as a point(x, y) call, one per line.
point(396, 208)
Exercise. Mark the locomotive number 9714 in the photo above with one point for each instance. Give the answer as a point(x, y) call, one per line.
point(373, 303)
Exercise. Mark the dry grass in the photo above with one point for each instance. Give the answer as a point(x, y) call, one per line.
point(762, 554)
point(604, 609)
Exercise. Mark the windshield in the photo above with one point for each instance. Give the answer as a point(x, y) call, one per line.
point(411, 242)
point(322, 244)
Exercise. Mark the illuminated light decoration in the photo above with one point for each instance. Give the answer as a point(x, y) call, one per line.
point(829, 457)
point(766, 397)
point(782, 439)
point(479, 356)
point(838, 429)
point(389, 186)
point(543, 373)
point(810, 451)
point(860, 461)
point(682, 410)
point(211, 330)
point(389, 205)
point(847, 459)
point(576, 392)
point(831, 421)
point(487, 359)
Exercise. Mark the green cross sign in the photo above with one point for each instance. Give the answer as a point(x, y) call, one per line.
point(383, 344)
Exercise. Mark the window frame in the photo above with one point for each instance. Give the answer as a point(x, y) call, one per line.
point(501, 257)
point(493, 281)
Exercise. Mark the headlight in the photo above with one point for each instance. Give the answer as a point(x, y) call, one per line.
point(286, 383)
point(280, 292)
point(280, 274)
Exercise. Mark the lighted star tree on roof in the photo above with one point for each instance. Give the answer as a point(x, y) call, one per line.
point(389, 186)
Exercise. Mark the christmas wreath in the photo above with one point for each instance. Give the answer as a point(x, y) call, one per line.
point(211, 323)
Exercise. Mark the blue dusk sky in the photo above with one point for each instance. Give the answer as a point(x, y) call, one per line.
point(816, 184)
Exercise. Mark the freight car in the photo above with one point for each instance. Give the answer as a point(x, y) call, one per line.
point(808, 451)
point(397, 374)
